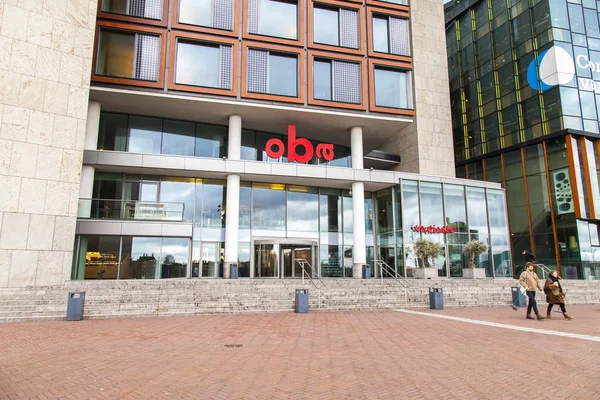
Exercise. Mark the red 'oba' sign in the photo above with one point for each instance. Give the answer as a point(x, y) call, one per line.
point(324, 150)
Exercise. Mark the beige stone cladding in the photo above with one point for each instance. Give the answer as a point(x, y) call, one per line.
point(426, 145)
point(45, 63)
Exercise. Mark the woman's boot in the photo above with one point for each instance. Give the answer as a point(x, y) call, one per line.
point(567, 316)
point(548, 315)
point(529, 316)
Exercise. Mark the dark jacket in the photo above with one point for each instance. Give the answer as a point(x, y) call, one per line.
point(529, 257)
point(554, 293)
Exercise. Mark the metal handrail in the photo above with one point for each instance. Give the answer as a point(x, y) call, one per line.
point(391, 272)
point(303, 263)
point(543, 267)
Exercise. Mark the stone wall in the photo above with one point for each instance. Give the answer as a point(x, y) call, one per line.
point(426, 146)
point(45, 63)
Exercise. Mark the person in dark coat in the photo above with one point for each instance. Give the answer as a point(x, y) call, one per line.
point(529, 257)
point(555, 294)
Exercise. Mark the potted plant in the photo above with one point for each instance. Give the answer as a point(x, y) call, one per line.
point(424, 250)
point(474, 248)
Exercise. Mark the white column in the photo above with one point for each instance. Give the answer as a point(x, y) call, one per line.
point(232, 212)
point(86, 186)
point(92, 126)
point(359, 254)
point(356, 147)
point(234, 147)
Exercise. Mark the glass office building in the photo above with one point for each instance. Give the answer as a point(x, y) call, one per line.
point(525, 97)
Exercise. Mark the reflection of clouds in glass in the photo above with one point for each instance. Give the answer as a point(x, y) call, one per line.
point(176, 247)
point(268, 208)
point(303, 212)
point(197, 65)
point(145, 246)
point(278, 19)
point(196, 12)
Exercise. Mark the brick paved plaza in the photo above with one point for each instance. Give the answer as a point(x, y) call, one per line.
point(346, 355)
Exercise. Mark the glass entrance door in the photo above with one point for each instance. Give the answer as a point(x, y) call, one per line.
point(266, 261)
point(292, 257)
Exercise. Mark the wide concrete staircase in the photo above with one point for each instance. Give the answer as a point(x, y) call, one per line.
point(123, 299)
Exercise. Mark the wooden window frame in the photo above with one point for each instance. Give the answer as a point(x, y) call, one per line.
point(279, 49)
point(393, 65)
point(375, 54)
point(272, 39)
point(328, 47)
point(341, 57)
point(175, 24)
point(385, 4)
point(117, 26)
point(208, 39)
point(136, 20)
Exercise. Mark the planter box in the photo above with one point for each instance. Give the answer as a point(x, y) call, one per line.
point(474, 273)
point(425, 273)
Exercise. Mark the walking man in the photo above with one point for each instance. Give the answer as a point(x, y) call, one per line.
point(529, 257)
point(530, 281)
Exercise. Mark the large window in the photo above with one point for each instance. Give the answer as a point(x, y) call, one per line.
point(272, 73)
point(217, 14)
point(130, 55)
point(336, 26)
point(274, 18)
point(390, 35)
point(121, 132)
point(197, 64)
point(302, 209)
point(338, 81)
point(392, 88)
point(151, 9)
point(268, 206)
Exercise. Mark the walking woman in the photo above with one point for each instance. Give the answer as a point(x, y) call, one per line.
point(555, 295)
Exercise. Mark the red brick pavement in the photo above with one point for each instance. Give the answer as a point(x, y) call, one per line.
point(346, 355)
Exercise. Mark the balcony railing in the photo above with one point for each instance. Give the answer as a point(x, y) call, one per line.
point(130, 209)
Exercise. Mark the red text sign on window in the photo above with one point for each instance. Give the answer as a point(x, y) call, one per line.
point(433, 229)
point(324, 150)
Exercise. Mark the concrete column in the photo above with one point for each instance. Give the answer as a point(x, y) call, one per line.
point(234, 147)
point(232, 212)
point(232, 215)
point(92, 126)
point(359, 253)
point(87, 173)
point(356, 147)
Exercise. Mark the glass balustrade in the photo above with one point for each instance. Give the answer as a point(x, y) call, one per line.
point(130, 209)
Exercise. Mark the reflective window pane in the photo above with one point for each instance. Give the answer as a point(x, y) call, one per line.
point(178, 138)
point(331, 265)
point(410, 205)
point(211, 141)
point(197, 65)
point(174, 192)
point(477, 212)
point(330, 209)
point(152, 9)
point(385, 211)
point(380, 35)
point(268, 206)
point(321, 80)
point(303, 211)
point(174, 259)
point(144, 135)
point(245, 203)
point(431, 200)
point(143, 260)
point(213, 213)
point(326, 26)
point(195, 12)
point(283, 75)
point(116, 54)
point(391, 88)
point(279, 19)
point(112, 134)
point(456, 213)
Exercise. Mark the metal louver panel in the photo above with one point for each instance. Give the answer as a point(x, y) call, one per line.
point(349, 28)
point(222, 14)
point(399, 37)
point(225, 80)
point(147, 57)
point(146, 8)
point(257, 71)
point(347, 82)
point(253, 6)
